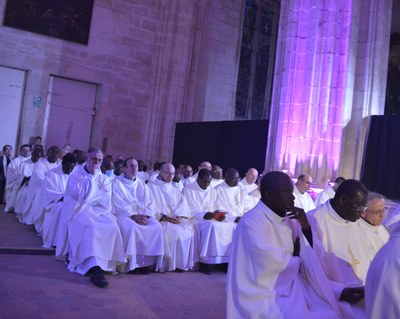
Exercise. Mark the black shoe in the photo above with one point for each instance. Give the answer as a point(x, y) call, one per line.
point(135, 271)
point(223, 267)
point(145, 270)
point(97, 278)
point(205, 268)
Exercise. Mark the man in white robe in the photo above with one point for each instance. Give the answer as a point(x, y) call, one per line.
point(214, 234)
point(14, 178)
point(173, 213)
point(328, 192)
point(204, 164)
point(26, 170)
point(300, 192)
point(341, 245)
point(376, 235)
point(186, 174)
point(142, 234)
point(273, 271)
point(55, 183)
point(248, 183)
point(95, 241)
point(34, 204)
point(217, 175)
point(231, 197)
point(382, 289)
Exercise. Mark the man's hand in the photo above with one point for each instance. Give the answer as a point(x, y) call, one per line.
point(208, 216)
point(296, 247)
point(170, 220)
point(140, 219)
point(352, 294)
point(300, 215)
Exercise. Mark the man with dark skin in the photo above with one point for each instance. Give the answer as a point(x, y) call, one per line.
point(344, 247)
point(265, 275)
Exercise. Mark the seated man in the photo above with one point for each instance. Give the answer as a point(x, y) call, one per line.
point(231, 197)
point(142, 234)
point(193, 177)
point(341, 244)
point(248, 183)
point(34, 205)
point(94, 237)
point(370, 222)
point(217, 175)
point(382, 289)
point(213, 233)
point(300, 192)
point(328, 192)
point(173, 213)
point(14, 177)
point(55, 183)
point(26, 171)
point(273, 271)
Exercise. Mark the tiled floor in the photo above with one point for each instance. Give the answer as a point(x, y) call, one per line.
point(39, 286)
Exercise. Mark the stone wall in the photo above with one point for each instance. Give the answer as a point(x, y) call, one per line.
point(155, 62)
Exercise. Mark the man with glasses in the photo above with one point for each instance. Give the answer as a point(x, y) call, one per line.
point(342, 246)
point(95, 241)
point(300, 192)
point(370, 222)
point(173, 213)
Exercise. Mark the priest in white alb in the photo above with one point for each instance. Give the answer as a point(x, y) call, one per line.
point(382, 289)
point(231, 197)
point(328, 192)
point(55, 183)
point(213, 233)
point(376, 235)
point(300, 192)
point(341, 245)
point(174, 216)
point(95, 241)
point(249, 184)
point(14, 178)
point(142, 233)
point(273, 272)
point(26, 171)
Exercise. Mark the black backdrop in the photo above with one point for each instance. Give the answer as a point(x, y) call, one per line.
point(381, 164)
point(238, 144)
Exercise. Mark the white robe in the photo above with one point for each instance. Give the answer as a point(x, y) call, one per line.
point(382, 290)
point(13, 181)
point(26, 170)
point(214, 238)
point(179, 245)
point(325, 195)
point(265, 280)
point(144, 244)
point(375, 236)
point(34, 205)
point(303, 200)
point(93, 232)
point(231, 200)
point(343, 251)
point(55, 183)
point(215, 182)
point(253, 195)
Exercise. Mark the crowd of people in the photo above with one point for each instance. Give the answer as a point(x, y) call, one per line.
point(287, 253)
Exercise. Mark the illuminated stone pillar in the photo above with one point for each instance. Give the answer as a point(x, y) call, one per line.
point(330, 75)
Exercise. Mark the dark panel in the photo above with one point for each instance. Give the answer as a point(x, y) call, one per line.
point(238, 144)
point(381, 169)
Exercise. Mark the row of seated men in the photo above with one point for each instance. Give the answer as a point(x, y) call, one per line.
point(76, 208)
point(104, 217)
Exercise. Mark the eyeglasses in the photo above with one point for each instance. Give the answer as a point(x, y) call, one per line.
point(377, 212)
point(358, 207)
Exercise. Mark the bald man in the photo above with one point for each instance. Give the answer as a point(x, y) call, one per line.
point(248, 183)
point(300, 192)
point(173, 213)
point(193, 178)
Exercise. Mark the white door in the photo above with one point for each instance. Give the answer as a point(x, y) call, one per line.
point(12, 83)
point(69, 113)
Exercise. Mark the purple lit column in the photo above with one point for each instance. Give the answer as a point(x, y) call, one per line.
point(314, 84)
